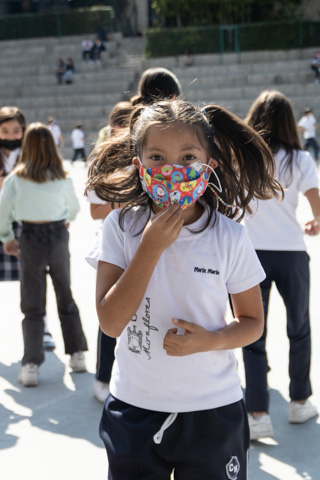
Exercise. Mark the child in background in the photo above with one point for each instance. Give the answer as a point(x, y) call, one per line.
point(39, 194)
point(308, 126)
point(99, 209)
point(12, 128)
point(155, 83)
point(77, 137)
point(164, 275)
point(68, 75)
point(278, 240)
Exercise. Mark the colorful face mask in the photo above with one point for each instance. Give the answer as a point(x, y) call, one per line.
point(168, 184)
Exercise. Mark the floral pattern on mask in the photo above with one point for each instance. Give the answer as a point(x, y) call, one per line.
point(168, 184)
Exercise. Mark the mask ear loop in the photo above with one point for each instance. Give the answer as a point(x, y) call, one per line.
point(219, 188)
point(214, 187)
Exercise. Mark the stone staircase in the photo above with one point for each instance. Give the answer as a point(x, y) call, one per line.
point(28, 80)
point(234, 81)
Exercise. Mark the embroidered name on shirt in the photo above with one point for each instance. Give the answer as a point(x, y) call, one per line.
point(206, 270)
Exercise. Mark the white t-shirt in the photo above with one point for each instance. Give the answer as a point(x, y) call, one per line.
point(273, 225)
point(86, 45)
point(308, 122)
point(92, 197)
point(77, 137)
point(56, 132)
point(191, 281)
point(10, 161)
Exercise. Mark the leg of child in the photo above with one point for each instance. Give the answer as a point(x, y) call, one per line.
point(59, 261)
point(33, 302)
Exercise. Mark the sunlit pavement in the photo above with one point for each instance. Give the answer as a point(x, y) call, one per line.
point(51, 432)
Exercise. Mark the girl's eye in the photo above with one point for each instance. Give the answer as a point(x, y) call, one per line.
point(156, 158)
point(189, 158)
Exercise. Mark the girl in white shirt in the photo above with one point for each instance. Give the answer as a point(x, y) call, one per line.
point(38, 194)
point(169, 260)
point(278, 240)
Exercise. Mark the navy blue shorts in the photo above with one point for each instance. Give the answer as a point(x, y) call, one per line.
point(203, 445)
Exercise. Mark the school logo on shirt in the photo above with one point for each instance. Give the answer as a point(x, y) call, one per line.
point(139, 341)
point(233, 468)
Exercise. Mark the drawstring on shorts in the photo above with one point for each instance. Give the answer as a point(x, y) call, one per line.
point(157, 438)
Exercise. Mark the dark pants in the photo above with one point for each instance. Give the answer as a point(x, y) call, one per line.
point(86, 55)
point(316, 72)
point(42, 246)
point(312, 143)
point(79, 152)
point(105, 356)
point(202, 445)
point(290, 272)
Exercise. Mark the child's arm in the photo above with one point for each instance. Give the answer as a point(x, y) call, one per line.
point(246, 327)
point(313, 226)
point(119, 292)
point(100, 211)
point(71, 200)
point(6, 210)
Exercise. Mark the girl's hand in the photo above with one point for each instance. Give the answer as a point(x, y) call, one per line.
point(163, 229)
point(12, 248)
point(312, 228)
point(1, 178)
point(195, 339)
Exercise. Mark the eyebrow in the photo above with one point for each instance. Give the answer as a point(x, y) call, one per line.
point(184, 148)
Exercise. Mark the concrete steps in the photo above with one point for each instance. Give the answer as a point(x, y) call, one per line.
point(28, 80)
point(235, 80)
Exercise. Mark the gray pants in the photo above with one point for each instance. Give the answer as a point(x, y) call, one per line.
point(44, 248)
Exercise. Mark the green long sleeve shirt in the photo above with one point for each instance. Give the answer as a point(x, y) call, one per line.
point(26, 200)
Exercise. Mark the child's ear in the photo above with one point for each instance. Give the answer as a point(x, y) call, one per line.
point(135, 162)
point(213, 163)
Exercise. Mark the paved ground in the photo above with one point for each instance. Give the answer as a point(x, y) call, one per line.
point(51, 432)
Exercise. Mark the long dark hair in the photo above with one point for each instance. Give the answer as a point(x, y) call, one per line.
point(246, 166)
point(271, 115)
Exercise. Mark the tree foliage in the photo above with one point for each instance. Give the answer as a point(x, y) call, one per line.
point(223, 12)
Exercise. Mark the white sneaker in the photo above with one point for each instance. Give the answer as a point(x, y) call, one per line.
point(29, 375)
point(77, 362)
point(100, 390)
point(301, 412)
point(260, 427)
point(48, 343)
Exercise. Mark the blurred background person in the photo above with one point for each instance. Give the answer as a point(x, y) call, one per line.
point(278, 239)
point(308, 125)
point(78, 144)
point(39, 195)
point(56, 132)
